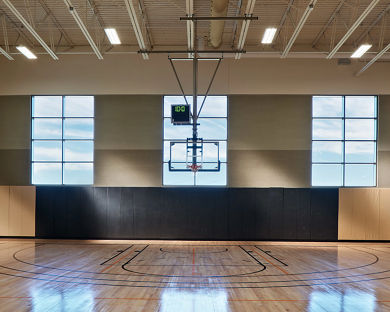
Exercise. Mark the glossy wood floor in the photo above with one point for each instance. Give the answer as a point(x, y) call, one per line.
point(168, 276)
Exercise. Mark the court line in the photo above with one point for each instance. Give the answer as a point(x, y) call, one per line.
point(237, 275)
point(159, 299)
point(275, 265)
point(121, 252)
point(268, 254)
point(111, 265)
point(264, 267)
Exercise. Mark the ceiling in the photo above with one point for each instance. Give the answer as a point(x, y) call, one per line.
point(161, 28)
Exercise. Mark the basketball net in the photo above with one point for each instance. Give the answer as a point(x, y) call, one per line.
point(194, 167)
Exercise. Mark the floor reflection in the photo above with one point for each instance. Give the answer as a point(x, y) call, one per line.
point(346, 301)
point(194, 301)
point(53, 300)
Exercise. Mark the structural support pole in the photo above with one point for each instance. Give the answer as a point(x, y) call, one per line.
point(190, 26)
point(245, 26)
point(355, 25)
point(195, 101)
point(83, 28)
point(30, 28)
point(136, 27)
point(299, 27)
point(2, 51)
point(378, 56)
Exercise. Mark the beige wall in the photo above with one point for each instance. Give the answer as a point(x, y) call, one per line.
point(269, 141)
point(130, 74)
point(17, 211)
point(128, 140)
point(14, 140)
point(384, 141)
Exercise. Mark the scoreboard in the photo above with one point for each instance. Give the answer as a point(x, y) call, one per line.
point(180, 114)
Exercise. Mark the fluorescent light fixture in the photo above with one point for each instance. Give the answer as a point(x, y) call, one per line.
point(269, 35)
point(361, 50)
point(112, 35)
point(26, 52)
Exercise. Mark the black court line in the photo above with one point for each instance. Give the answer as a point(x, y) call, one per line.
point(268, 253)
point(194, 276)
point(247, 252)
point(198, 253)
point(120, 252)
point(138, 253)
point(195, 283)
point(240, 275)
point(192, 287)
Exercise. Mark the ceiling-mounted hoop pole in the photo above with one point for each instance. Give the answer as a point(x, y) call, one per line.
point(195, 98)
point(178, 80)
point(210, 84)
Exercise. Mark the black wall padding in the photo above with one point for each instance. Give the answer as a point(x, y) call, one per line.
point(187, 213)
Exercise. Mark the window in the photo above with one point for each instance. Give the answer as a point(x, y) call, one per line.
point(344, 148)
point(62, 139)
point(212, 126)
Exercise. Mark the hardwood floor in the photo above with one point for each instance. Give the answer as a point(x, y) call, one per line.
point(177, 276)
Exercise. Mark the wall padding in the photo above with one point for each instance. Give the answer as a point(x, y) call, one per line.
point(364, 214)
point(17, 211)
point(187, 213)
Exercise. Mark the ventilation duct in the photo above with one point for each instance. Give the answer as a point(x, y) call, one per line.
point(218, 9)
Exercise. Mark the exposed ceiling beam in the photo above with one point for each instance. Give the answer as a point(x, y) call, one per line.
point(190, 26)
point(299, 27)
point(244, 28)
point(136, 27)
point(30, 29)
point(331, 19)
point(355, 25)
point(283, 19)
point(83, 28)
point(373, 60)
point(55, 22)
point(2, 51)
point(372, 25)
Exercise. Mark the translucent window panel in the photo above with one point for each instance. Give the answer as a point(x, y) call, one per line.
point(212, 178)
point(360, 175)
point(327, 152)
point(179, 152)
point(327, 175)
point(177, 178)
point(78, 173)
point(214, 106)
point(47, 150)
point(79, 106)
point(46, 173)
point(78, 128)
point(47, 106)
point(360, 106)
point(327, 129)
point(212, 128)
point(360, 152)
point(176, 132)
point(47, 128)
point(327, 106)
point(360, 129)
point(78, 150)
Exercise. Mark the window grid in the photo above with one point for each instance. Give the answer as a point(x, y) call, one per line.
point(63, 162)
point(223, 163)
point(344, 141)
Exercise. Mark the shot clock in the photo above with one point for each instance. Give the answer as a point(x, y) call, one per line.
point(180, 114)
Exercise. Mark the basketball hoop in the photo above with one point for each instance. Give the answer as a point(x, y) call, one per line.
point(194, 167)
